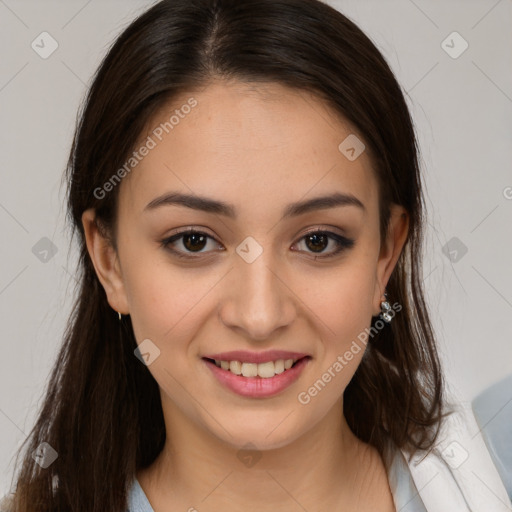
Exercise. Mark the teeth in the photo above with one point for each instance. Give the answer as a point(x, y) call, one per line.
point(235, 367)
point(279, 366)
point(249, 369)
point(263, 370)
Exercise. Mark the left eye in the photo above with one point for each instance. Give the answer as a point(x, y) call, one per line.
point(316, 242)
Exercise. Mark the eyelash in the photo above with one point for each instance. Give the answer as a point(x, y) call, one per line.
point(342, 242)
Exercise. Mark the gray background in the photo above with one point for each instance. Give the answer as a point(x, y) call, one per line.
point(462, 109)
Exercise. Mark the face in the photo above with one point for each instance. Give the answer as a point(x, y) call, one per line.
point(251, 260)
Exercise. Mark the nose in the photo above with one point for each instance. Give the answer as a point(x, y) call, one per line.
point(257, 300)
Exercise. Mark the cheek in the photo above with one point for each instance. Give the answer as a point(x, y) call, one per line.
point(343, 304)
point(160, 295)
point(343, 299)
point(164, 301)
point(345, 317)
point(166, 307)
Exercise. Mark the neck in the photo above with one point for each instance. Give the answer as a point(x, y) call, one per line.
point(324, 467)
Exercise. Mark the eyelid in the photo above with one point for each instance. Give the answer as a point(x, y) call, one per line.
point(322, 229)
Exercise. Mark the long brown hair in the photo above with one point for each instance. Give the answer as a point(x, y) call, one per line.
point(101, 411)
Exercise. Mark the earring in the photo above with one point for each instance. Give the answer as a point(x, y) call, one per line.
point(119, 315)
point(385, 308)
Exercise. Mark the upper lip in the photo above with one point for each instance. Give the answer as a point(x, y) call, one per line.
point(255, 357)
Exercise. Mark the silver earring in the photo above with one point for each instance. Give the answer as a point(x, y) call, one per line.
point(119, 315)
point(385, 308)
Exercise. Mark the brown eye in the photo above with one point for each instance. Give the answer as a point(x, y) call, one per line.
point(187, 243)
point(194, 241)
point(317, 242)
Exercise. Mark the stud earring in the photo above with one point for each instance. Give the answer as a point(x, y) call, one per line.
point(385, 308)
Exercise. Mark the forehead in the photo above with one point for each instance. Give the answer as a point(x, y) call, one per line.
point(258, 145)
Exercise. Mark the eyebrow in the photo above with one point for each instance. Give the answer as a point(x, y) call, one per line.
point(208, 205)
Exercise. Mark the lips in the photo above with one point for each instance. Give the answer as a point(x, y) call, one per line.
point(245, 356)
point(257, 386)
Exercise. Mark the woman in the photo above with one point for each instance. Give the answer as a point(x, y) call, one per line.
point(250, 331)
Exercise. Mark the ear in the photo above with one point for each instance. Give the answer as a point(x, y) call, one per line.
point(106, 262)
point(390, 252)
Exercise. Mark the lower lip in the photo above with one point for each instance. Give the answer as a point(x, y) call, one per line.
point(258, 387)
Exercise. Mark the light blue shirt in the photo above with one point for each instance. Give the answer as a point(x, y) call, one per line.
point(137, 500)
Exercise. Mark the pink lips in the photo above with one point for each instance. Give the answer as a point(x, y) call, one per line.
point(257, 387)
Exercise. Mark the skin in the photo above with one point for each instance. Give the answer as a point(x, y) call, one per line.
point(258, 148)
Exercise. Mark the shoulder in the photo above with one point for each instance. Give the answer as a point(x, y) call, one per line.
point(458, 470)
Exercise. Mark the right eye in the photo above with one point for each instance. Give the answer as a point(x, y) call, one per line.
point(193, 242)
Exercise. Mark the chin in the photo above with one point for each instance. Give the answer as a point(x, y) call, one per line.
point(257, 433)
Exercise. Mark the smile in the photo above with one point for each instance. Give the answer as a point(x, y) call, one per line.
point(264, 370)
point(257, 380)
